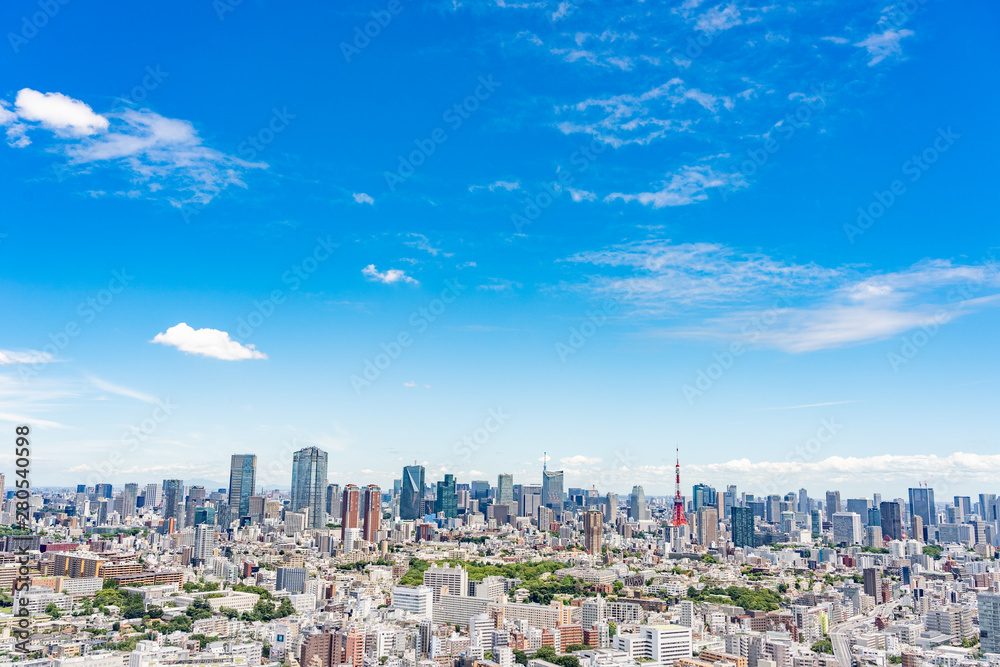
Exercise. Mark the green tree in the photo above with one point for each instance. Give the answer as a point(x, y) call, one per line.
point(823, 646)
point(52, 610)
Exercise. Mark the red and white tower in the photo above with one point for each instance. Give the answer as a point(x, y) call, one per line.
point(679, 518)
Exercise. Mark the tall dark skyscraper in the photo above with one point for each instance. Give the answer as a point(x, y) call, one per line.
point(922, 505)
point(242, 479)
point(832, 504)
point(892, 520)
point(309, 485)
point(411, 502)
point(173, 502)
point(552, 489)
point(742, 520)
point(447, 498)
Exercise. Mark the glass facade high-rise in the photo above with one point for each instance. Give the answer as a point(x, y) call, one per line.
point(173, 502)
point(637, 510)
point(742, 520)
point(702, 495)
point(242, 479)
point(922, 505)
point(411, 503)
point(505, 489)
point(552, 489)
point(447, 498)
point(129, 497)
point(309, 485)
point(891, 520)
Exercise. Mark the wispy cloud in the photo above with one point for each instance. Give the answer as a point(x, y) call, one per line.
point(883, 45)
point(363, 198)
point(720, 290)
point(497, 185)
point(421, 242)
point(11, 357)
point(119, 390)
point(686, 186)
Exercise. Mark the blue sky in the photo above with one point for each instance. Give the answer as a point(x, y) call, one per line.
point(601, 230)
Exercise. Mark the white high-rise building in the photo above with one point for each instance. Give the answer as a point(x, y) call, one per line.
point(455, 578)
point(418, 600)
point(154, 495)
point(847, 528)
point(204, 542)
point(659, 643)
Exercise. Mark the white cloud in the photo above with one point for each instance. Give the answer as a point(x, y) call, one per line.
point(579, 460)
point(497, 185)
point(59, 113)
point(363, 198)
point(165, 156)
point(10, 357)
point(387, 277)
point(499, 285)
point(834, 39)
point(30, 421)
point(581, 195)
point(686, 186)
point(564, 10)
point(882, 45)
point(207, 343)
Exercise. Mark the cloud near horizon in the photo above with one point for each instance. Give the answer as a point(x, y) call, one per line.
point(206, 343)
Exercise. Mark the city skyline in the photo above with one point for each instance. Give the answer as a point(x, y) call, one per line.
point(763, 234)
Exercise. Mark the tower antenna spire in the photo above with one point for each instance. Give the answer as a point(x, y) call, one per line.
point(545, 461)
point(679, 517)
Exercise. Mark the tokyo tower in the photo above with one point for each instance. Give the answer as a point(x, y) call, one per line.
point(679, 518)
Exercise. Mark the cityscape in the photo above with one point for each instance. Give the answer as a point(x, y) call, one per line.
point(499, 333)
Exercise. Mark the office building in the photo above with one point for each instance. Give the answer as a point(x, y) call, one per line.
point(129, 497)
point(291, 579)
point(446, 501)
point(742, 526)
point(552, 489)
point(242, 478)
point(505, 489)
point(832, 504)
point(373, 513)
point(411, 503)
point(350, 510)
point(309, 485)
point(593, 530)
point(891, 520)
point(847, 528)
point(989, 622)
point(637, 510)
point(922, 505)
point(173, 502)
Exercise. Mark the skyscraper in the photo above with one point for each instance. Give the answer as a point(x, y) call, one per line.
point(173, 502)
point(204, 542)
point(610, 507)
point(309, 485)
point(447, 498)
point(350, 510)
point(129, 497)
point(832, 504)
point(333, 499)
point(708, 526)
point(703, 494)
point(242, 479)
point(922, 505)
point(989, 622)
point(593, 529)
point(742, 520)
point(892, 520)
point(154, 495)
point(373, 512)
point(505, 489)
point(637, 510)
point(411, 504)
point(803, 501)
point(552, 489)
